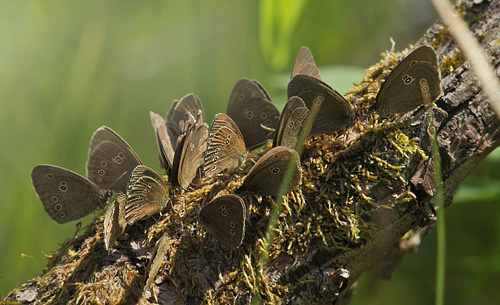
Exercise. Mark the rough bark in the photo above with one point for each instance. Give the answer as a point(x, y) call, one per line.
point(366, 199)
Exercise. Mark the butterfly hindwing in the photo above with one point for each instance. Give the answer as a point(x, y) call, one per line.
point(225, 218)
point(65, 195)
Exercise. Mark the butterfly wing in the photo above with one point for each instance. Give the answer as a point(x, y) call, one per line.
point(387, 101)
point(192, 152)
point(109, 158)
point(187, 107)
point(65, 195)
point(226, 148)
point(263, 90)
point(114, 221)
point(335, 112)
point(147, 194)
point(163, 141)
point(305, 64)
point(267, 175)
point(225, 218)
point(161, 250)
point(291, 121)
point(255, 114)
point(419, 84)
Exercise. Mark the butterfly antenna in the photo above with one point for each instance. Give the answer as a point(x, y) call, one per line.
point(78, 227)
point(118, 179)
point(267, 128)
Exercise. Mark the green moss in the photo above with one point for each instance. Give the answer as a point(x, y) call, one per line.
point(451, 62)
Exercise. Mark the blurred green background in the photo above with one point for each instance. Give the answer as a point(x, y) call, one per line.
point(68, 67)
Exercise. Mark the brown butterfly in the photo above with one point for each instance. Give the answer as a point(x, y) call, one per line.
point(114, 221)
point(414, 82)
point(226, 148)
point(225, 218)
point(190, 153)
point(188, 108)
point(252, 110)
point(335, 112)
point(110, 160)
point(147, 194)
point(160, 253)
point(291, 121)
point(66, 195)
point(167, 132)
point(271, 171)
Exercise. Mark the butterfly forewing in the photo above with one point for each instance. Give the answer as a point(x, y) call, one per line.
point(187, 107)
point(305, 64)
point(193, 154)
point(225, 217)
point(163, 141)
point(190, 154)
point(65, 195)
point(160, 252)
point(110, 160)
point(419, 85)
point(301, 83)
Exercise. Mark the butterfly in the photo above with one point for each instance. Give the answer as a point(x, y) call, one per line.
point(185, 112)
point(226, 148)
point(66, 195)
point(291, 122)
point(305, 64)
point(225, 218)
point(147, 194)
point(182, 139)
point(189, 154)
point(110, 160)
point(415, 81)
point(254, 113)
point(335, 112)
point(114, 221)
point(271, 171)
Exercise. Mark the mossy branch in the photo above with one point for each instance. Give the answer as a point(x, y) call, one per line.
point(365, 195)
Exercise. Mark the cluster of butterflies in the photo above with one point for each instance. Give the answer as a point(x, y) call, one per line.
point(187, 146)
